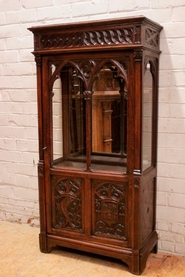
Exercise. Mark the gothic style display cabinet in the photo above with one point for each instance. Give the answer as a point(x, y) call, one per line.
point(97, 88)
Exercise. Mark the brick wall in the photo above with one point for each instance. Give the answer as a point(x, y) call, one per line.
point(18, 107)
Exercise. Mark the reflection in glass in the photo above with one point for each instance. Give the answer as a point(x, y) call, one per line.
point(106, 113)
point(147, 117)
point(108, 121)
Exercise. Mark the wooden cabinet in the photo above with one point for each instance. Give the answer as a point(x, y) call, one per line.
point(97, 86)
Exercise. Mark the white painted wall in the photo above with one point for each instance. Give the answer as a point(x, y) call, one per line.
point(18, 107)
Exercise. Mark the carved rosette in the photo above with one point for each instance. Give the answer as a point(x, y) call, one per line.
point(109, 209)
point(86, 67)
point(68, 202)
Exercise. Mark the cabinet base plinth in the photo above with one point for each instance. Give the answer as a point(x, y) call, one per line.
point(134, 259)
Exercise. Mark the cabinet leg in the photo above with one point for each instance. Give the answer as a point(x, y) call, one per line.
point(155, 249)
point(43, 243)
point(135, 266)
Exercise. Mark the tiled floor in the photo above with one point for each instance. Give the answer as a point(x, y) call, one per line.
point(20, 257)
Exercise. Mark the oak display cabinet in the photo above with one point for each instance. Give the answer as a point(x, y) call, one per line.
point(97, 87)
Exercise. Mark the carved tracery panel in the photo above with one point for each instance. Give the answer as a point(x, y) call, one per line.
point(88, 70)
point(109, 208)
point(68, 203)
point(88, 38)
point(151, 37)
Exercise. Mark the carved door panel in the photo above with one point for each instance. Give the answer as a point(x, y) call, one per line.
point(110, 210)
point(107, 214)
point(67, 204)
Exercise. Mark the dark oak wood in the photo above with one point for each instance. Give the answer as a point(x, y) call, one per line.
point(97, 85)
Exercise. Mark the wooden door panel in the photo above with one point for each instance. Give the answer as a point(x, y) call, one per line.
point(109, 209)
point(67, 204)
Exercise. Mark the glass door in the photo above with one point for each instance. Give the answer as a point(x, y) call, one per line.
point(89, 115)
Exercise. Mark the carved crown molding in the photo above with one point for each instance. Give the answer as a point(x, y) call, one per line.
point(136, 31)
point(90, 38)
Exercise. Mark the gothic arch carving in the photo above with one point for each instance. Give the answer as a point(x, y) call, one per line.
point(88, 71)
point(153, 66)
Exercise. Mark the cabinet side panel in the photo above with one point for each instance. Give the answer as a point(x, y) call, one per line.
point(147, 210)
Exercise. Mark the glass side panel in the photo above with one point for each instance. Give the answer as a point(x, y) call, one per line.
point(147, 117)
point(57, 120)
point(76, 116)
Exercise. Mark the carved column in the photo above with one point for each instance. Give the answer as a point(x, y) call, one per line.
point(138, 56)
